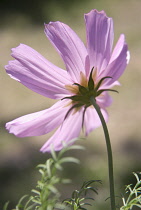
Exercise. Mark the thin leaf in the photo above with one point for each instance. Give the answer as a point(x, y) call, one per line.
point(53, 153)
point(6, 205)
point(35, 191)
point(48, 167)
point(69, 159)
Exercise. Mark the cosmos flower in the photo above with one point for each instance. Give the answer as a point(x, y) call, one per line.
point(90, 72)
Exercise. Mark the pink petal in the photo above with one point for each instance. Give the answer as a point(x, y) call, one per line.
point(38, 74)
point(69, 130)
point(104, 100)
point(99, 29)
point(92, 120)
point(109, 86)
point(118, 62)
point(70, 47)
point(38, 123)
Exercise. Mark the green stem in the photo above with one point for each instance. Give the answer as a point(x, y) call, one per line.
point(109, 151)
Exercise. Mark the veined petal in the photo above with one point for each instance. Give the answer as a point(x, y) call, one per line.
point(70, 47)
point(38, 123)
point(69, 130)
point(118, 62)
point(92, 120)
point(110, 86)
point(100, 35)
point(36, 73)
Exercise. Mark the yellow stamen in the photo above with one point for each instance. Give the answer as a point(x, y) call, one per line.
point(72, 89)
point(83, 80)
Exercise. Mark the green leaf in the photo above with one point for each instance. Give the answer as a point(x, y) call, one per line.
point(76, 147)
point(134, 197)
point(67, 147)
point(66, 181)
point(6, 205)
point(53, 153)
point(48, 167)
point(19, 205)
point(53, 189)
point(69, 159)
point(35, 191)
point(58, 166)
point(86, 184)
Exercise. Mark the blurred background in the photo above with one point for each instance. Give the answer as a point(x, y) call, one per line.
point(23, 22)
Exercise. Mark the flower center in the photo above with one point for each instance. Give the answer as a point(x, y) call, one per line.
point(84, 91)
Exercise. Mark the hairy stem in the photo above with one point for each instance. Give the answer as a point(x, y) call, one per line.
point(109, 152)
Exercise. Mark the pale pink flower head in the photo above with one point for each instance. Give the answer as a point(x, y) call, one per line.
point(91, 70)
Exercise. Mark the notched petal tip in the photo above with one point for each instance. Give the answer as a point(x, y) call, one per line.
point(17, 51)
point(7, 126)
point(19, 46)
point(48, 27)
point(11, 129)
point(13, 50)
point(52, 24)
point(48, 24)
point(7, 66)
point(102, 12)
point(8, 70)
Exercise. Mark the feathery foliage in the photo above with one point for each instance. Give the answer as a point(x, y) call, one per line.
point(79, 199)
point(134, 195)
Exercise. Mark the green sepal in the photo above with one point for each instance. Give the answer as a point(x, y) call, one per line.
point(103, 90)
point(100, 82)
point(74, 98)
point(83, 116)
point(73, 107)
point(77, 98)
point(82, 89)
point(91, 81)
